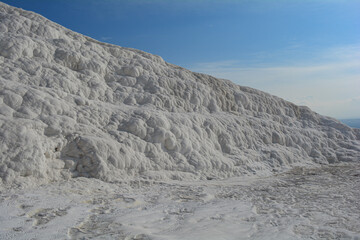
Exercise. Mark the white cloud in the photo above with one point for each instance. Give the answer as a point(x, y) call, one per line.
point(331, 78)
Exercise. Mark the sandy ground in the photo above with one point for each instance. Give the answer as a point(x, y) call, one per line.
point(304, 203)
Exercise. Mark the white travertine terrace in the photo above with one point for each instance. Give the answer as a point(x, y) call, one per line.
point(72, 106)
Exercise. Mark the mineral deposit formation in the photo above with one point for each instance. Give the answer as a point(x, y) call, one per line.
point(71, 106)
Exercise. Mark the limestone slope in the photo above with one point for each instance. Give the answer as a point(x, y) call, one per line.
point(72, 106)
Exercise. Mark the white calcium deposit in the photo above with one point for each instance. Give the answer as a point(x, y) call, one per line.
point(71, 106)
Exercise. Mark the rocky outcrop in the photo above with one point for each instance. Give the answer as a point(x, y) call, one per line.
point(72, 106)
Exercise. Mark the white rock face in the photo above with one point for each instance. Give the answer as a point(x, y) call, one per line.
point(72, 106)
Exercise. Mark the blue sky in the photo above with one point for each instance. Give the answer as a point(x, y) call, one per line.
point(306, 51)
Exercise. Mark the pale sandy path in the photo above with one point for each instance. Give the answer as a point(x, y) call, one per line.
point(321, 203)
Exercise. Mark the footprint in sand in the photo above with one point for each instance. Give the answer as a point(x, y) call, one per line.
point(45, 215)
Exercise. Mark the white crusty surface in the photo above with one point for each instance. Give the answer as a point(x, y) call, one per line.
point(72, 106)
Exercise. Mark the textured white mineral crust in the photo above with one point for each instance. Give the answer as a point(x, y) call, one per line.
point(72, 106)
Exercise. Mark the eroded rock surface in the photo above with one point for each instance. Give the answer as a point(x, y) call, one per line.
point(72, 106)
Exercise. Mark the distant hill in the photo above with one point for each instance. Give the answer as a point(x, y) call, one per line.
point(354, 123)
